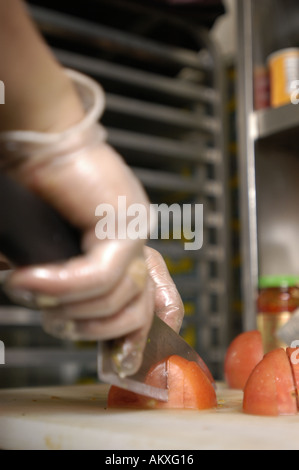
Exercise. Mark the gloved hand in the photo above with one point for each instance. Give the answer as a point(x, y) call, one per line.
point(108, 292)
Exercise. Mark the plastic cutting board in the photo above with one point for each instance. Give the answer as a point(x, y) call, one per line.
point(76, 417)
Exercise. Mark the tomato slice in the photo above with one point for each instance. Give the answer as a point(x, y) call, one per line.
point(122, 398)
point(243, 354)
point(206, 370)
point(199, 392)
point(270, 389)
point(188, 387)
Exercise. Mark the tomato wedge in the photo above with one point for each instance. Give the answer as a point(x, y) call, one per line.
point(188, 387)
point(270, 389)
point(243, 354)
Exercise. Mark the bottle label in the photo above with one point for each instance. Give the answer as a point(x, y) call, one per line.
point(268, 324)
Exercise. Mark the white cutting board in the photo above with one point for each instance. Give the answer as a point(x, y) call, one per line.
point(77, 418)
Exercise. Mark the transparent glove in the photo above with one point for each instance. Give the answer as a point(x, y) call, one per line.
point(168, 303)
point(107, 292)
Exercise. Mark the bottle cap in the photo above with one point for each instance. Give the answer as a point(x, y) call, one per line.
point(278, 281)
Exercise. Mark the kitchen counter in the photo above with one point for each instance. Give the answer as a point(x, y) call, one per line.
point(76, 417)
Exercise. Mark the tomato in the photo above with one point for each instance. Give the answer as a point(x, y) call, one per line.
point(205, 369)
point(270, 389)
point(188, 387)
point(121, 398)
point(198, 391)
point(243, 354)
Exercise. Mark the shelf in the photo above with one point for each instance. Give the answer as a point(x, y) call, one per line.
point(271, 121)
point(267, 142)
point(50, 357)
point(115, 40)
point(19, 316)
point(167, 115)
point(175, 88)
point(167, 181)
point(176, 250)
point(157, 147)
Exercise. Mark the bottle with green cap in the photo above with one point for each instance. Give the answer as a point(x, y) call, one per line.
point(278, 299)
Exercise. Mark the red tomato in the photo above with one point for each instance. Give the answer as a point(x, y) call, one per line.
point(205, 369)
point(243, 354)
point(121, 398)
point(270, 389)
point(188, 387)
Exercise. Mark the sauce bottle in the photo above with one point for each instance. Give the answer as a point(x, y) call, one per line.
point(278, 298)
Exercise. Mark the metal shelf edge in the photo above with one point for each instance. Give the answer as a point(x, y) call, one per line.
point(270, 121)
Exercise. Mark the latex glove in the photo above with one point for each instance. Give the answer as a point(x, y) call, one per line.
point(107, 292)
point(168, 306)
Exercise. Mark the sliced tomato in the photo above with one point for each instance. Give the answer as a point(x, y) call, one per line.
point(119, 397)
point(243, 354)
point(205, 369)
point(188, 387)
point(270, 389)
point(199, 393)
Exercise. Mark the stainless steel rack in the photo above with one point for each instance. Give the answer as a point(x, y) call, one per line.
point(165, 115)
point(268, 161)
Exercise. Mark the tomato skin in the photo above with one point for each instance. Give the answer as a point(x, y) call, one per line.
point(270, 389)
point(206, 370)
point(125, 398)
point(199, 392)
point(243, 354)
point(188, 388)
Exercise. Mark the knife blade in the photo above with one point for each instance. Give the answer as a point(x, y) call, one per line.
point(162, 342)
point(31, 232)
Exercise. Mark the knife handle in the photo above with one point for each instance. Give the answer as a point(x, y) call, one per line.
point(32, 232)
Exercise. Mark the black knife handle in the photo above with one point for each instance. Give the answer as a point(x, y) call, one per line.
point(31, 232)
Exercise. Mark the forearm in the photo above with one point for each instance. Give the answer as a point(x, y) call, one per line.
point(38, 94)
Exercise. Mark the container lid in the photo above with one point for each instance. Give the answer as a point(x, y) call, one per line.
point(283, 52)
point(278, 281)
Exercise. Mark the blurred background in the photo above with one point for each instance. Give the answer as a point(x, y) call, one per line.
point(189, 108)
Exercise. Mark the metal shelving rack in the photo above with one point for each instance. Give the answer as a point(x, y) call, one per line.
point(267, 164)
point(165, 115)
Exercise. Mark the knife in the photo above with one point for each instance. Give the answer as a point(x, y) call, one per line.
point(162, 342)
point(31, 232)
